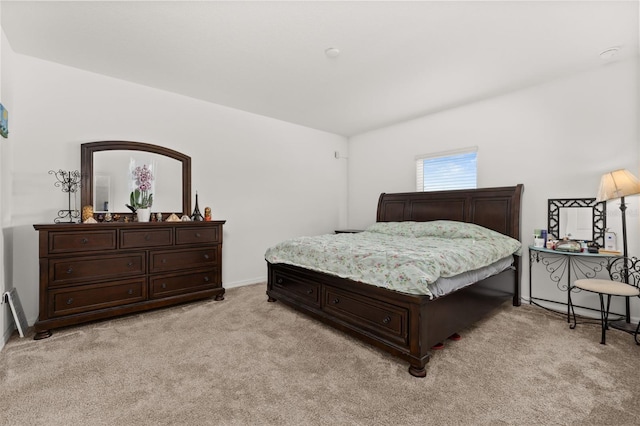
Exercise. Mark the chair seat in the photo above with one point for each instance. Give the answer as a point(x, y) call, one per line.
point(613, 288)
point(624, 280)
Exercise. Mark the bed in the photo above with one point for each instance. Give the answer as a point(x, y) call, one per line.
point(403, 324)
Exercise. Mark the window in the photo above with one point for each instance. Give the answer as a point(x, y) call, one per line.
point(447, 170)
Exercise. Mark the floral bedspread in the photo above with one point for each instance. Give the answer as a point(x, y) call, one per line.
point(401, 256)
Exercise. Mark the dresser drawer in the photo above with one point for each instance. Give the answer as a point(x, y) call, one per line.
point(170, 285)
point(172, 260)
point(82, 269)
point(198, 235)
point(68, 242)
point(297, 288)
point(143, 238)
point(373, 316)
point(74, 300)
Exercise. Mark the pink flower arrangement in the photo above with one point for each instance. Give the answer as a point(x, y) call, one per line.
point(141, 197)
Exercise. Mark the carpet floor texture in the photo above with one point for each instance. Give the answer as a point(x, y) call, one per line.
point(245, 361)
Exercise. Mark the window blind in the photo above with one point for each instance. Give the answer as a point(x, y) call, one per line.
point(447, 170)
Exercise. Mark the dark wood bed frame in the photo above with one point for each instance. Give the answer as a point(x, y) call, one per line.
point(405, 325)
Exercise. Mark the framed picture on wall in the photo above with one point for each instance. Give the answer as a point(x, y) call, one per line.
point(4, 122)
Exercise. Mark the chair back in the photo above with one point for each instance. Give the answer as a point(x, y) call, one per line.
point(625, 269)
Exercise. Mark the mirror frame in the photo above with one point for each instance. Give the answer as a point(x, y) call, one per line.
point(86, 167)
point(598, 215)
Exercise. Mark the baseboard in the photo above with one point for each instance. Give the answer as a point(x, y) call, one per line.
point(561, 309)
point(6, 335)
point(245, 282)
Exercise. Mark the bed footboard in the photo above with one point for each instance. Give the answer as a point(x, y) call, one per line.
point(406, 326)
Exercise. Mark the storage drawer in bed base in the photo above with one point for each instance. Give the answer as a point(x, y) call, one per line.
point(296, 287)
point(344, 309)
point(364, 313)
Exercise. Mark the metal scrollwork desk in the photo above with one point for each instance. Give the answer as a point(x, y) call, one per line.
point(564, 267)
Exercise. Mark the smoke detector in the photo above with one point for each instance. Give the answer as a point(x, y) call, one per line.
point(332, 52)
point(609, 53)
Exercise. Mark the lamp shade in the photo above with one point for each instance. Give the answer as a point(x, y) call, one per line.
point(617, 184)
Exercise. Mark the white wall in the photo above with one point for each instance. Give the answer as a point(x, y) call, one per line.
point(4, 318)
point(556, 138)
point(269, 179)
point(6, 254)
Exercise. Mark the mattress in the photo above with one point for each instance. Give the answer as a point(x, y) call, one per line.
point(425, 258)
point(446, 285)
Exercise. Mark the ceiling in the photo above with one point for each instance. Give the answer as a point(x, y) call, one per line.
point(398, 60)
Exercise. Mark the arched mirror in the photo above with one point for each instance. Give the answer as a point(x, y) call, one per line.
point(106, 169)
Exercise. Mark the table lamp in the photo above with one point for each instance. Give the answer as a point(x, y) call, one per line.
point(619, 184)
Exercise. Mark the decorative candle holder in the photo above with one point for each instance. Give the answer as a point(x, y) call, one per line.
point(69, 181)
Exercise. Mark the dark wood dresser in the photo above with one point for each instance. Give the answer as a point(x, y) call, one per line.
point(95, 271)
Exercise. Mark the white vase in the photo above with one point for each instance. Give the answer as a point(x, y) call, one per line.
point(143, 214)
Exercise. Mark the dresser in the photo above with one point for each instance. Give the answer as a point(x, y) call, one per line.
point(90, 272)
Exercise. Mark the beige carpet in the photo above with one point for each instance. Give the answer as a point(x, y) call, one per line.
point(244, 361)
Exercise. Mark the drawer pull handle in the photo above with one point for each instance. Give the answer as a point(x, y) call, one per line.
point(84, 241)
point(310, 291)
point(130, 264)
point(206, 256)
point(386, 320)
point(279, 280)
point(164, 285)
point(336, 301)
point(197, 235)
point(70, 270)
point(147, 237)
point(206, 279)
point(70, 301)
point(130, 291)
point(164, 260)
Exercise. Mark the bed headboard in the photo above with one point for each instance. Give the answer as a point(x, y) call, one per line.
point(493, 208)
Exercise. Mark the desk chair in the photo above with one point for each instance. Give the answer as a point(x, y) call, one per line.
point(624, 280)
